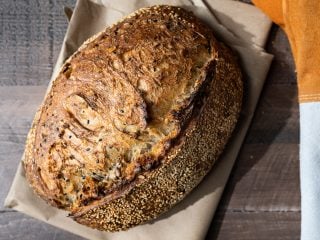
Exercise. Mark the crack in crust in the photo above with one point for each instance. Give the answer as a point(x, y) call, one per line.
point(135, 119)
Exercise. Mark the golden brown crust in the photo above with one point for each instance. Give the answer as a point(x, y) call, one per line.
point(189, 162)
point(191, 114)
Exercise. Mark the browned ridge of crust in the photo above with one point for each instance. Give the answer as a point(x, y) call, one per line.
point(134, 120)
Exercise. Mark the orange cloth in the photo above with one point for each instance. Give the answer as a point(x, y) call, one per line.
point(301, 21)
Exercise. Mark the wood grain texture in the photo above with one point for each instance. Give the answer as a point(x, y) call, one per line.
point(31, 33)
point(256, 225)
point(262, 198)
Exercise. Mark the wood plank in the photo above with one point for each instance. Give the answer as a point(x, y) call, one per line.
point(276, 118)
point(265, 178)
point(255, 226)
point(14, 225)
point(31, 33)
point(266, 173)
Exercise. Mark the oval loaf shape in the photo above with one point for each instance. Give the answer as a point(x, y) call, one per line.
point(135, 119)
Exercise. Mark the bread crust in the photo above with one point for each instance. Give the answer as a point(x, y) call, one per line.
point(204, 132)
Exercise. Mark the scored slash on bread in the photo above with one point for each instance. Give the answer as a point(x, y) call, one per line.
point(134, 120)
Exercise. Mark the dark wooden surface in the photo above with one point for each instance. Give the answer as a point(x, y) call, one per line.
point(262, 198)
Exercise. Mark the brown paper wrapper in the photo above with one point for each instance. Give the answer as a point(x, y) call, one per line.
point(241, 26)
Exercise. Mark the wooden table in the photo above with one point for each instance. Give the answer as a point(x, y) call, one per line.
point(262, 197)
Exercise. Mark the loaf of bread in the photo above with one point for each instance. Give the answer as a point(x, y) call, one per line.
point(135, 119)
